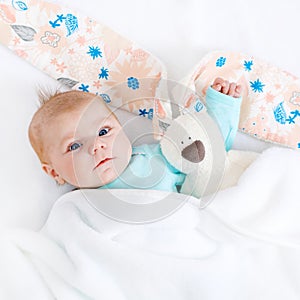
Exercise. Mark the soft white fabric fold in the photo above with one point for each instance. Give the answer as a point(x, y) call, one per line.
point(244, 245)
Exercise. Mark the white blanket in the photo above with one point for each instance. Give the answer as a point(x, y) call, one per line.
point(244, 245)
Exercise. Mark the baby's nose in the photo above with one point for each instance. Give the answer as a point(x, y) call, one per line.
point(97, 145)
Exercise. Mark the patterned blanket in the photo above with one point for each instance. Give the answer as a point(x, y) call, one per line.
point(84, 54)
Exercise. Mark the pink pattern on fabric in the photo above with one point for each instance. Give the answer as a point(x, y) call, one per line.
point(271, 108)
point(87, 55)
point(83, 54)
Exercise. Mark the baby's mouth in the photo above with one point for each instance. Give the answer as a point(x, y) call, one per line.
point(103, 161)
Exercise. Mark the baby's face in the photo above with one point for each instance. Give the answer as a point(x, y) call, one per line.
point(87, 148)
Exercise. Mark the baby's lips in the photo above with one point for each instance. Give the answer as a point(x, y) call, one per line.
point(103, 161)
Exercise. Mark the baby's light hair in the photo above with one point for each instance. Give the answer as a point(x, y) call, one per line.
point(53, 104)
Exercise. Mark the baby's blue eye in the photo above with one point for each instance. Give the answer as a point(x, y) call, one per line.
point(74, 146)
point(104, 131)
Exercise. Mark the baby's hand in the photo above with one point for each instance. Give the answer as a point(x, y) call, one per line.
point(223, 86)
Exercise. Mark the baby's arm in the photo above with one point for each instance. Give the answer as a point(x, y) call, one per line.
point(223, 102)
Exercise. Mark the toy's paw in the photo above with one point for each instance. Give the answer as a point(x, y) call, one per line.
point(195, 152)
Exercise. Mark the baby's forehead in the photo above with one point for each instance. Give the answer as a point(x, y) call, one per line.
point(86, 109)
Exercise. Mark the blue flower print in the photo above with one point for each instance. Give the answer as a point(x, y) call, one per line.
point(198, 106)
point(71, 23)
point(150, 114)
point(280, 114)
point(248, 65)
point(220, 61)
point(19, 5)
point(94, 52)
point(104, 73)
point(133, 83)
point(294, 115)
point(143, 112)
point(257, 86)
point(84, 88)
point(106, 98)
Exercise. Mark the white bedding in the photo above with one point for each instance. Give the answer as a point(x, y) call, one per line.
point(244, 245)
point(251, 241)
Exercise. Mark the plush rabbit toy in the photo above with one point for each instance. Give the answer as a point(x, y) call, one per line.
point(194, 145)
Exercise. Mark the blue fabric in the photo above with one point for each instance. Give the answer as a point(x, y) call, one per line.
point(225, 110)
point(149, 169)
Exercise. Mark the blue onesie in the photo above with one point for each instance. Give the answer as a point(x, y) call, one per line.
point(149, 169)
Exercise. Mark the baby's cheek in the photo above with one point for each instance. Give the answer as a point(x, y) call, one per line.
point(74, 171)
point(122, 149)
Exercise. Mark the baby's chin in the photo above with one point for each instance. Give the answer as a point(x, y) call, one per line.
point(107, 176)
point(95, 182)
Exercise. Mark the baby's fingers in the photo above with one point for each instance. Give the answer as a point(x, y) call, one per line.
point(217, 85)
point(238, 91)
point(225, 87)
point(218, 80)
point(232, 89)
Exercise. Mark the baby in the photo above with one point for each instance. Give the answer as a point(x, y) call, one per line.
point(81, 142)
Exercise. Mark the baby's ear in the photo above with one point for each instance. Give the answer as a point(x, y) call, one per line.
point(52, 173)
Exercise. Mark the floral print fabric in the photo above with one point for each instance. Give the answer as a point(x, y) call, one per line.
point(271, 98)
point(86, 55)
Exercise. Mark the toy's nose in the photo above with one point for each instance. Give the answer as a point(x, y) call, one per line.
point(195, 152)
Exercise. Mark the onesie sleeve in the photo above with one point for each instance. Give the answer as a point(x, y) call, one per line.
point(225, 110)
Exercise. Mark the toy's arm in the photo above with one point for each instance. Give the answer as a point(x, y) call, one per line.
point(225, 110)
